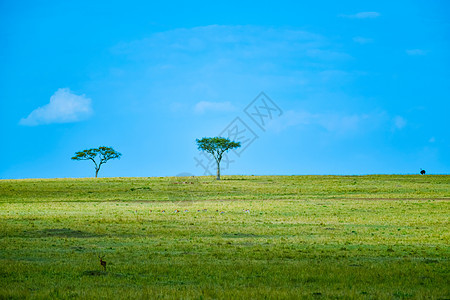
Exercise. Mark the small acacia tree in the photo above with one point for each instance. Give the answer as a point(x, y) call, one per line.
point(216, 146)
point(104, 154)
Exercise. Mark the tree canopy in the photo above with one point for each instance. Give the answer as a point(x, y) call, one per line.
point(104, 154)
point(217, 146)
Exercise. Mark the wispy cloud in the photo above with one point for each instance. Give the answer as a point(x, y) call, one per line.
point(327, 54)
point(205, 106)
point(204, 62)
point(399, 122)
point(229, 46)
point(362, 40)
point(64, 107)
point(331, 122)
point(362, 15)
point(247, 41)
point(415, 52)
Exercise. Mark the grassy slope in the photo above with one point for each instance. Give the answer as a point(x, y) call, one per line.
point(304, 236)
point(231, 187)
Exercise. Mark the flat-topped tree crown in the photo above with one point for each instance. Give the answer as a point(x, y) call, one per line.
point(217, 146)
point(104, 154)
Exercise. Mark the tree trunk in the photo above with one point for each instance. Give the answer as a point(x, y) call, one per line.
point(96, 172)
point(218, 171)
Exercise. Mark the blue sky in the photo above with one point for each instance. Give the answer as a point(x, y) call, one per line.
point(349, 87)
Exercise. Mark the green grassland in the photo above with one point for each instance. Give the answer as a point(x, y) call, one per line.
point(311, 237)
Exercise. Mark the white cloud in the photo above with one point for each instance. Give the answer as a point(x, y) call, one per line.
point(414, 52)
point(205, 106)
point(362, 40)
point(64, 107)
point(363, 15)
point(399, 122)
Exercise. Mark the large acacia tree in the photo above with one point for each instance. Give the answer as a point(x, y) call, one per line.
point(217, 146)
point(98, 155)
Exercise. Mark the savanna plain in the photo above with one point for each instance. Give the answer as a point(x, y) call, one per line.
point(243, 237)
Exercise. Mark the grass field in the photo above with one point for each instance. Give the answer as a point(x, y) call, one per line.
point(312, 237)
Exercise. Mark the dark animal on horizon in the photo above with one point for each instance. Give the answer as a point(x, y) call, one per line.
point(422, 172)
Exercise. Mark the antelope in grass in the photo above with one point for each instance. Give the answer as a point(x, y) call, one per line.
point(102, 262)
